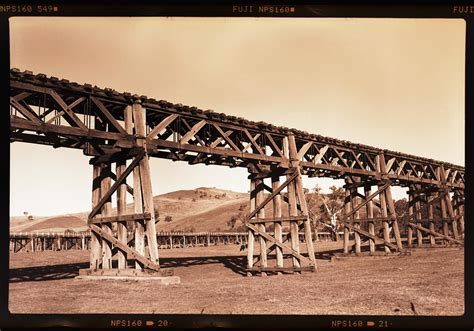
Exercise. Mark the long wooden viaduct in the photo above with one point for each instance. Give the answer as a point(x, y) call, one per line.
point(121, 131)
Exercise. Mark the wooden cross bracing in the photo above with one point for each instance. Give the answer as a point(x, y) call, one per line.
point(256, 220)
point(125, 130)
point(110, 231)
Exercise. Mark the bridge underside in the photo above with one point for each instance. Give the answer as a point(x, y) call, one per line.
point(120, 132)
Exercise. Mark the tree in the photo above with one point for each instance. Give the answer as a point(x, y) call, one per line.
point(168, 218)
point(232, 221)
point(325, 209)
point(236, 221)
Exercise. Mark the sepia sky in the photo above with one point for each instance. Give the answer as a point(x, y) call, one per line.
point(390, 83)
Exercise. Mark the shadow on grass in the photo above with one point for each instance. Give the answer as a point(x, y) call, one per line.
point(237, 264)
point(50, 272)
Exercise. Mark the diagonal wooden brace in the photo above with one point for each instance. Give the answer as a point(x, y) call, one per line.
point(108, 115)
point(435, 233)
point(369, 198)
point(163, 124)
point(273, 246)
point(273, 144)
point(117, 183)
point(130, 252)
point(272, 195)
point(70, 113)
point(253, 142)
point(371, 236)
point(61, 113)
point(25, 112)
point(283, 246)
point(194, 130)
point(226, 137)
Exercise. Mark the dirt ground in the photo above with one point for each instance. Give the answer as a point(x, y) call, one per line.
point(213, 281)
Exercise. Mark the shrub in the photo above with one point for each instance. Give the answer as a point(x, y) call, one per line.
point(168, 218)
point(232, 221)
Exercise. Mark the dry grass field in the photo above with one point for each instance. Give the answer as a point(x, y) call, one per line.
point(213, 281)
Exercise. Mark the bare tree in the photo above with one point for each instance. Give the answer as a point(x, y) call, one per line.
point(332, 206)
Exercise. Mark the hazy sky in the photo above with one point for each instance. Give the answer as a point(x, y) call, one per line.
point(390, 83)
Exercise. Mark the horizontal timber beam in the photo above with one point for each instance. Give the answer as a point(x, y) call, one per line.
point(278, 219)
point(121, 218)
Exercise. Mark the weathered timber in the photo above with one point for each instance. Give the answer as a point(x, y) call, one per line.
point(445, 237)
point(277, 219)
point(121, 218)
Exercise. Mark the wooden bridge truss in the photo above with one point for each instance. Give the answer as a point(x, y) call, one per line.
point(121, 132)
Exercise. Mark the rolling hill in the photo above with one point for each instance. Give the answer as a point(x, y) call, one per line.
point(201, 209)
point(176, 211)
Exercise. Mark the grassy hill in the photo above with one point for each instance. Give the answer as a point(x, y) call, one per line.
point(178, 208)
point(201, 209)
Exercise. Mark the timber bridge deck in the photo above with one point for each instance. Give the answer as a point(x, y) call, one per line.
point(124, 130)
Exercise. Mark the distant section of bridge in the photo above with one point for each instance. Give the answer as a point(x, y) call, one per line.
point(55, 241)
point(125, 130)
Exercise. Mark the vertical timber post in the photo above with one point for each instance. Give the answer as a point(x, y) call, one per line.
point(292, 202)
point(419, 234)
point(261, 214)
point(251, 240)
point(431, 220)
point(391, 206)
point(460, 209)
point(278, 225)
point(138, 209)
point(106, 211)
point(95, 254)
point(139, 120)
point(299, 190)
point(347, 210)
point(122, 192)
point(383, 202)
point(356, 217)
point(370, 215)
point(307, 224)
point(444, 217)
point(410, 214)
point(454, 222)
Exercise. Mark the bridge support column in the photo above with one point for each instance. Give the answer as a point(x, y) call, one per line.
point(297, 218)
point(444, 218)
point(415, 196)
point(458, 206)
point(351, 217)
point(109, 231)
point(434, 198)
point(410, 215)
point(347, 210)
point(452, 216)
point(431, 220)
point(370, 216)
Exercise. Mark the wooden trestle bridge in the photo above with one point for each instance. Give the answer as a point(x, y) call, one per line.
point(120, 131)
point(71, 240)
point(67, 240)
